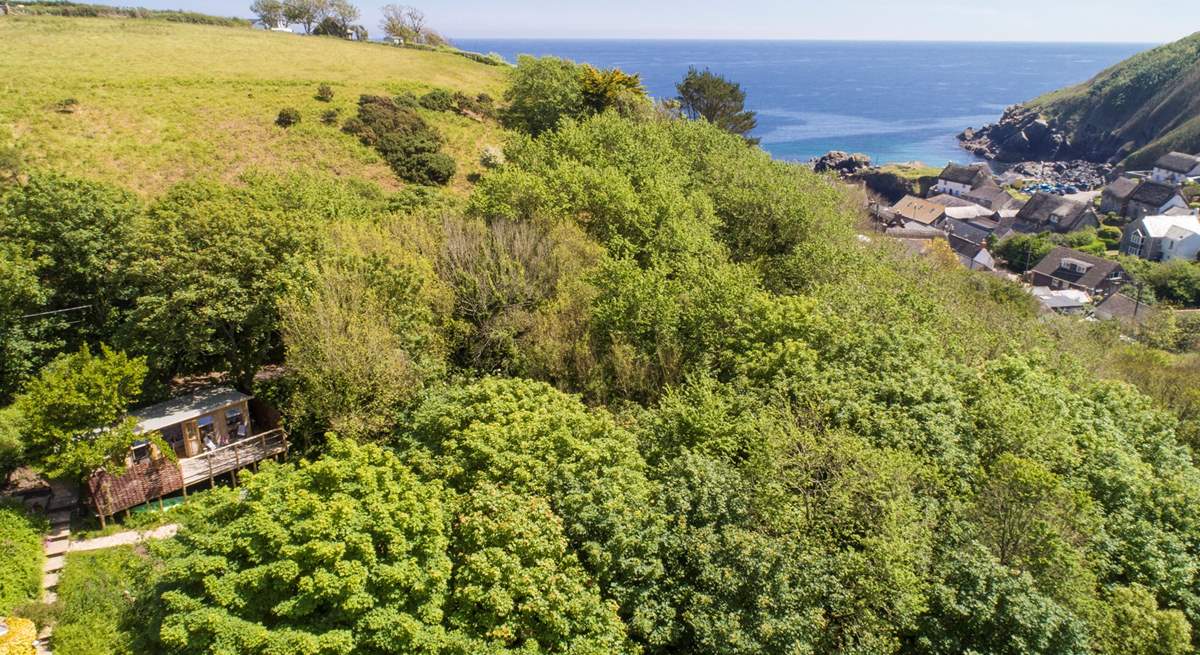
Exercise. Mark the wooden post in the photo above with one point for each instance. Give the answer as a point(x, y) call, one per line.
point(210, 469)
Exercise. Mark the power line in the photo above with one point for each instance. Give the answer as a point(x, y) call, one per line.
point(56, 311)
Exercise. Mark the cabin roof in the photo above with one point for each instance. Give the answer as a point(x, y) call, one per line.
point(912, 208)
point(186, 407)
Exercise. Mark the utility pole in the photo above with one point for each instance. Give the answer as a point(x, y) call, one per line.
point(1137, 304)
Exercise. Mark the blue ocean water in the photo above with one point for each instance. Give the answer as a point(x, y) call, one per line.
point(895, 101)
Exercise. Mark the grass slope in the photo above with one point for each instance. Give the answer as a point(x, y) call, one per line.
point(1146, 105)
point(160, 102)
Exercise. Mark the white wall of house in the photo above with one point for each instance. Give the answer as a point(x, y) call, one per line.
point(951, 188)
point(1171, 177)
point(1185, 247)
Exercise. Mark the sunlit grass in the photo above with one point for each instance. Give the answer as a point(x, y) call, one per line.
point(160, 102)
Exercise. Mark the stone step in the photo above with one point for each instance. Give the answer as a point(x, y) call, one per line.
point(54, 564)
point(50, 581)
point(62, 531)
point(49, 597)
point(60, 518)
point(57, 547)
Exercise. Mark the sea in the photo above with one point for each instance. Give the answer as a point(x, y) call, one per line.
point(894, 101)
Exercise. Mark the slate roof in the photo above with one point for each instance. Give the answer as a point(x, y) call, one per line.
point(186, 407)
point(1099, 271)
point(947, 200)
point(973, 175)
point(1178, 162)
point(1121, 187)
point(1121, 307)
point(912, 208)
point(1043, 206)
point(966, 231)
point(1155, 194)
point(990, 196)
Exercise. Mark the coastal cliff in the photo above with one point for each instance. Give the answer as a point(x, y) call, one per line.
point(1129, 114)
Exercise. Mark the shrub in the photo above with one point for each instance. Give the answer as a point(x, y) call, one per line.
point(288, 116)
point(1110, 235)
point(492, 157)
point(98, 600)
point(330, 116)
point(438, 100)
point(66, 106)
point(325, 93)
point(432, 168)
point(481, 105)
point(403, 138)
point(20, 557)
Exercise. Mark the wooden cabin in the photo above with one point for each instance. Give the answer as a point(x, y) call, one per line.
point(212, 433)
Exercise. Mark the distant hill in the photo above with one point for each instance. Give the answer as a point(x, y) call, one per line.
point(155, 102)
point(1130, 113)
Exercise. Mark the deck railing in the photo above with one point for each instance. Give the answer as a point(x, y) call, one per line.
point(233, 456)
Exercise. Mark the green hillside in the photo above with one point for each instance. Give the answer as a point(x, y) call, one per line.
point(159, 102)
point(1138, 109)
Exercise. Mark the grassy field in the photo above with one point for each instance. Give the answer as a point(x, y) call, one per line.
point(159, 102)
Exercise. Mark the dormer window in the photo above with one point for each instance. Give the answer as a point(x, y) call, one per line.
point(1075, 265)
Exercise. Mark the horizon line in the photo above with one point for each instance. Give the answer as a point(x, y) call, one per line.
point(798, 39)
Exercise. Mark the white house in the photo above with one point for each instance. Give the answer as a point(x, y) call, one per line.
point(1163, 238)
point(1176, 168)
point(957, 179)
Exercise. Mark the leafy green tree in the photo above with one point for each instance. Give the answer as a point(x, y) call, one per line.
point(516, 585)
point(1137, 625)
point(270, 12)
point(981, 606)
point(541, 92)
point(1023, 251)
point(307, 13)
point(25, 340)
point(540, 443)
point(80, 235)
point(353, 553)
point(346, 554)
point(361, 341)
point(214, 261)
point(612, 88)
point(717, 100)
point(73, 415)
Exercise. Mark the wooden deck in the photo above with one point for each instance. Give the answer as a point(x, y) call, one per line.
point(232, 457)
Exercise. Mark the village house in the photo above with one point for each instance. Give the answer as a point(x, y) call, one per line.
point(991, 197)
point(1163, 238)
point(947, 200)
point(912, 211)
point(1115, 197)
point(974, 255)
point(1064, 268)
point(1046, 212)
point(1176, 168)
point(1124, 309)
point(210, 433)
point(1153, 199)
point(956, 179)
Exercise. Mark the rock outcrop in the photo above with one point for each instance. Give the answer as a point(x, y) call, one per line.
point(1020, 135)
point(1129, 114)
point(841, 163)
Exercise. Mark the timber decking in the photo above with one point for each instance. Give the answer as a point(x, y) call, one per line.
point(233, 456)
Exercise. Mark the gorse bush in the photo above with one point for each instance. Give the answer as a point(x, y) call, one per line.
point(437, 100)
point(324, 93)
point(330, 116)
point(288, 116)
point(409, 145)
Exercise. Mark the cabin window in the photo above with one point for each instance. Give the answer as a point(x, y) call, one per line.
point(173, 435)
point(235, 424)
point(141, 451)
